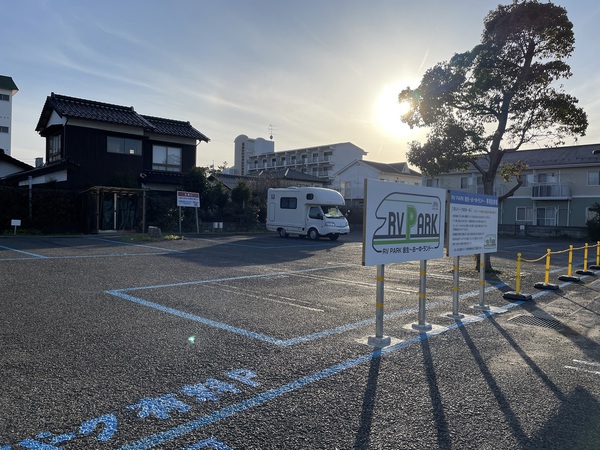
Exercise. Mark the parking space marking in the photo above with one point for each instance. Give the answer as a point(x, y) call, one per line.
point(35, 255)
point(133, 244)
point(585, 364)
point(271, 298)
point(229, 411)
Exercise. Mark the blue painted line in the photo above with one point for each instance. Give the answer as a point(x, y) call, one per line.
point(35, 255)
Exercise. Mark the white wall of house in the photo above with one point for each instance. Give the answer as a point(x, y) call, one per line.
point(350, 180)
point(6, 100)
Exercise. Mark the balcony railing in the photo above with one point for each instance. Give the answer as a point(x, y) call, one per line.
point(551, 191)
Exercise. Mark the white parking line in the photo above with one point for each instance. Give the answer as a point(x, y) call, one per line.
point(585, 363)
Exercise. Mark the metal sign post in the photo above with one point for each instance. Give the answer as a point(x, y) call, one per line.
point(379, 340)
point(402, 223)
point(422, 325)
point(191, 199)
point(455, 289)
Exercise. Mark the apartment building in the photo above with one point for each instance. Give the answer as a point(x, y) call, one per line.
point(8, 88)
point(253, 156)
point(559, 186)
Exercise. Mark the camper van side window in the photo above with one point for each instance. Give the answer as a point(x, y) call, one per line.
point(310, 196)
point(288, 203)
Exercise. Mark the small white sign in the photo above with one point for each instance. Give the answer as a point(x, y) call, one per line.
point(402, 223)
point(15, 223)
point(191, 199)
point(472, 224)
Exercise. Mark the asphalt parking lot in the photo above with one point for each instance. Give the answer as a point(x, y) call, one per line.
point(259, 342)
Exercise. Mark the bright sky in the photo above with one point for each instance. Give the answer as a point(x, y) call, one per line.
point(318, 71)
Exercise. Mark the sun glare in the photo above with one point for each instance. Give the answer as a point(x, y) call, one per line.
point(388, 110)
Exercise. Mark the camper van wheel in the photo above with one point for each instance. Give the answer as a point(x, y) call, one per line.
point(282, 232)
point(334, 236)
point(313, 234)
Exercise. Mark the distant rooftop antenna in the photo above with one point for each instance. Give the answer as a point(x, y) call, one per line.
point(270, 131)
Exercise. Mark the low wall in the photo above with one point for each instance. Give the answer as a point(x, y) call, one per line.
point(543, 231)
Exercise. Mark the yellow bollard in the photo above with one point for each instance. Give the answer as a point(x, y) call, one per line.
point(597, 265)
point(516, 295)
point(585, 270)
point(546, 284)
point(518, 280)
point(547, 278)
point(569, 276)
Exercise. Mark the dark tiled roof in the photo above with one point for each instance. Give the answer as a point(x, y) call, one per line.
point(106, 112)
point(47, 168)
point(555, 157)
point(7, 83)
point(161, 177)
point(229, 180)
point(90, 110)
point(15, 162)
point(175, 128)
point(399, 168)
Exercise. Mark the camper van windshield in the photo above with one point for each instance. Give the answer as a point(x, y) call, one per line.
point(331, 212)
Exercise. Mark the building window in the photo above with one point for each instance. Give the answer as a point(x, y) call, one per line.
point(5, 97)
point(466, 182)
point(288, 203)
point(54, 148)
point(593, 178)
point(123, 145)
point(590, 215)
point(3, 129)
point(166, 158)
point(315, 157)
point(432, 182)
point(546, 216)
point(524, 214)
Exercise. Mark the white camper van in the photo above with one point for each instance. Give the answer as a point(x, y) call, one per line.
point(306, 211)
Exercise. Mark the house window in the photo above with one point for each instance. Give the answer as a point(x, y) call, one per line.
point(590, 215)
point(3, 129)
point(288, 203)
point(54, 148)
point(524, 214)
point(4, 97)
point(593, 178)
point(546, 216)
point(432, 182)
point(123, 145)
point(166, 158)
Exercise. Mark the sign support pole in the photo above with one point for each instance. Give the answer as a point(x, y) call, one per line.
point(379, 340)
point(482, 306)
point(180, 221)
point(422, 326)
point(455, 288)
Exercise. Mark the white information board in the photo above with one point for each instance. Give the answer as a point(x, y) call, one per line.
point(191, 199)
point(402, 223)
point(472, 224)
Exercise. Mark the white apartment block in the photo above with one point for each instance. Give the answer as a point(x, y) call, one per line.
point(8, 88)
point(253, 156)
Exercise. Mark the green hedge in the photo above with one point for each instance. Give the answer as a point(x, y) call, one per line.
point(52, 210)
